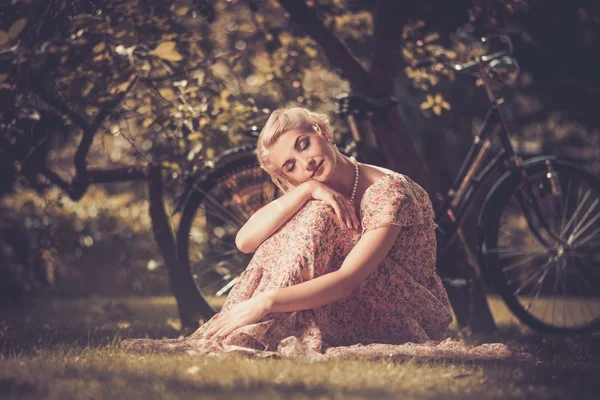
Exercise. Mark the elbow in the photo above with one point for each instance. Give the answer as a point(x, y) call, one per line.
point(243, 245)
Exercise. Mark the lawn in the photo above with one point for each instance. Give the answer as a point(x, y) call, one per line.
point(63, 349)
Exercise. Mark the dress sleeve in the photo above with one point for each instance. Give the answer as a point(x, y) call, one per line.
point(396, 200)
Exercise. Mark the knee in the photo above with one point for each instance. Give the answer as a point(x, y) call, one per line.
point(319, 214)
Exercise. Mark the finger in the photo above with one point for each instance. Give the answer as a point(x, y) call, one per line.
point(349, 220)
point(214, 329)
point(355, 219)
point(344, 212)
point(337, 210)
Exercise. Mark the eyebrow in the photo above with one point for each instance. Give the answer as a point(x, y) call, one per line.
point(295, 146)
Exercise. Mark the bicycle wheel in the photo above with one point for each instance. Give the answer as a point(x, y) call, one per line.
point(553, 287)
point(213, 215)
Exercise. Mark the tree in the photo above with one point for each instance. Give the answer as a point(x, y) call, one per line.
point(169, 85)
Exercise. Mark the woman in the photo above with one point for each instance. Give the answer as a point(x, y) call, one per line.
point(324, 283)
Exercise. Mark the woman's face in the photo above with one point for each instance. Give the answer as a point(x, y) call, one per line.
point(302, 156)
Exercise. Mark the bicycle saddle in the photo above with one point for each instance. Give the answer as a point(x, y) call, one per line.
point(362, 106)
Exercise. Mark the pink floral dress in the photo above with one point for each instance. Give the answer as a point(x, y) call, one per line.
point(400, 311)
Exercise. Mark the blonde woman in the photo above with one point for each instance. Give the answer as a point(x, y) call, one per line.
point(343, 265)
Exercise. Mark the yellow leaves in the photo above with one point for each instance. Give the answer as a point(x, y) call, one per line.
point(87, 89)
point(194, 136)
point(167, 93)
point(15, 30)
point(182, 11)
point(143, 109)
point(147, 122)
point(119, 88)
point(436, 103)
point(167, 51)
point(311, 52)
point(285, 38)
point(431, 37)
point(98, 48)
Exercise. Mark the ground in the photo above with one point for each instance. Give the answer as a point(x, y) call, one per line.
point(67, 348)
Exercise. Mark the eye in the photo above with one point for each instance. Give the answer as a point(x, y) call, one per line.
point(306, 144)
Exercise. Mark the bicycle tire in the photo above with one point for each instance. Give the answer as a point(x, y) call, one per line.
point(496, 250)
point(213, 257)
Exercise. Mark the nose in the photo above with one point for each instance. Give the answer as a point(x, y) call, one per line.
point(309, 164)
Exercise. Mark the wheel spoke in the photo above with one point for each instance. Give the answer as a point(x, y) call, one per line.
point(519, 263)
point(530, 279)
point(565, 208)
point(574, 236)
point(580, 204)
point(515, 251)
point(587, 238)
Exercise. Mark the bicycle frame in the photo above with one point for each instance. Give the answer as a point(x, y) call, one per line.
point(474, 170)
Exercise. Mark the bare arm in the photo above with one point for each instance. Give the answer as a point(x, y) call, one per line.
point(269, 218)
point(364, 258)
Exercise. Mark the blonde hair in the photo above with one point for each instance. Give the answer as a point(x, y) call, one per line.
point(281, 121)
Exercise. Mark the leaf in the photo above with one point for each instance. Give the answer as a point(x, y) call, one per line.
point(119, 89)
point(167, 93)
point(437, 110)
point(428, 103)
point(143, 109)
point(3, 38)
point(3, 77)
point(430, 37)
point(99, 47)
point(167, 51)
point(15, 30)
point(147, 122)
point(194, 136)
point(182, 11)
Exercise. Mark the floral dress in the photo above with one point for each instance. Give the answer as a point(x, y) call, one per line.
point(400, 311)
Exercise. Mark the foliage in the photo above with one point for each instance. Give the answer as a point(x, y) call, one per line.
point(194, 75)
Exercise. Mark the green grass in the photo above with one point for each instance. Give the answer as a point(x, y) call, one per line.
point(68, 349)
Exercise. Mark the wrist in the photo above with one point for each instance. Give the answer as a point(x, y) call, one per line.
point(309, 187)
point(268, 300)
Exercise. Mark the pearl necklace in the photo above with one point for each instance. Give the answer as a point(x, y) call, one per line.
point(356, 173)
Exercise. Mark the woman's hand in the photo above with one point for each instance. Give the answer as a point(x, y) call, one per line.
point(343, 208)
point(244, 313)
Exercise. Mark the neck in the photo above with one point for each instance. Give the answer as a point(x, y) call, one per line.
point(342, 180)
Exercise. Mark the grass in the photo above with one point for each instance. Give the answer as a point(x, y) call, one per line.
point(63, 349)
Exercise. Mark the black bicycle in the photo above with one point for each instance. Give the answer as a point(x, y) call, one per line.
point(538, 229)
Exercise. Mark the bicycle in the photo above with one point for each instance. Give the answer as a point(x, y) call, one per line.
point(536, 229)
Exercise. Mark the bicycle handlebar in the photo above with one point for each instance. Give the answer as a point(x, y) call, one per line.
point(464, 67)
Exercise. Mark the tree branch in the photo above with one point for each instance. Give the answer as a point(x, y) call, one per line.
point(338, 54)
point(117, 175)
point(56, 103)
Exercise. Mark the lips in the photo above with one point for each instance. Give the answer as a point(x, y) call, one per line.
point(317, 169)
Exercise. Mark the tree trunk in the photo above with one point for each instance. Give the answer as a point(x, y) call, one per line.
point(190, 303)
